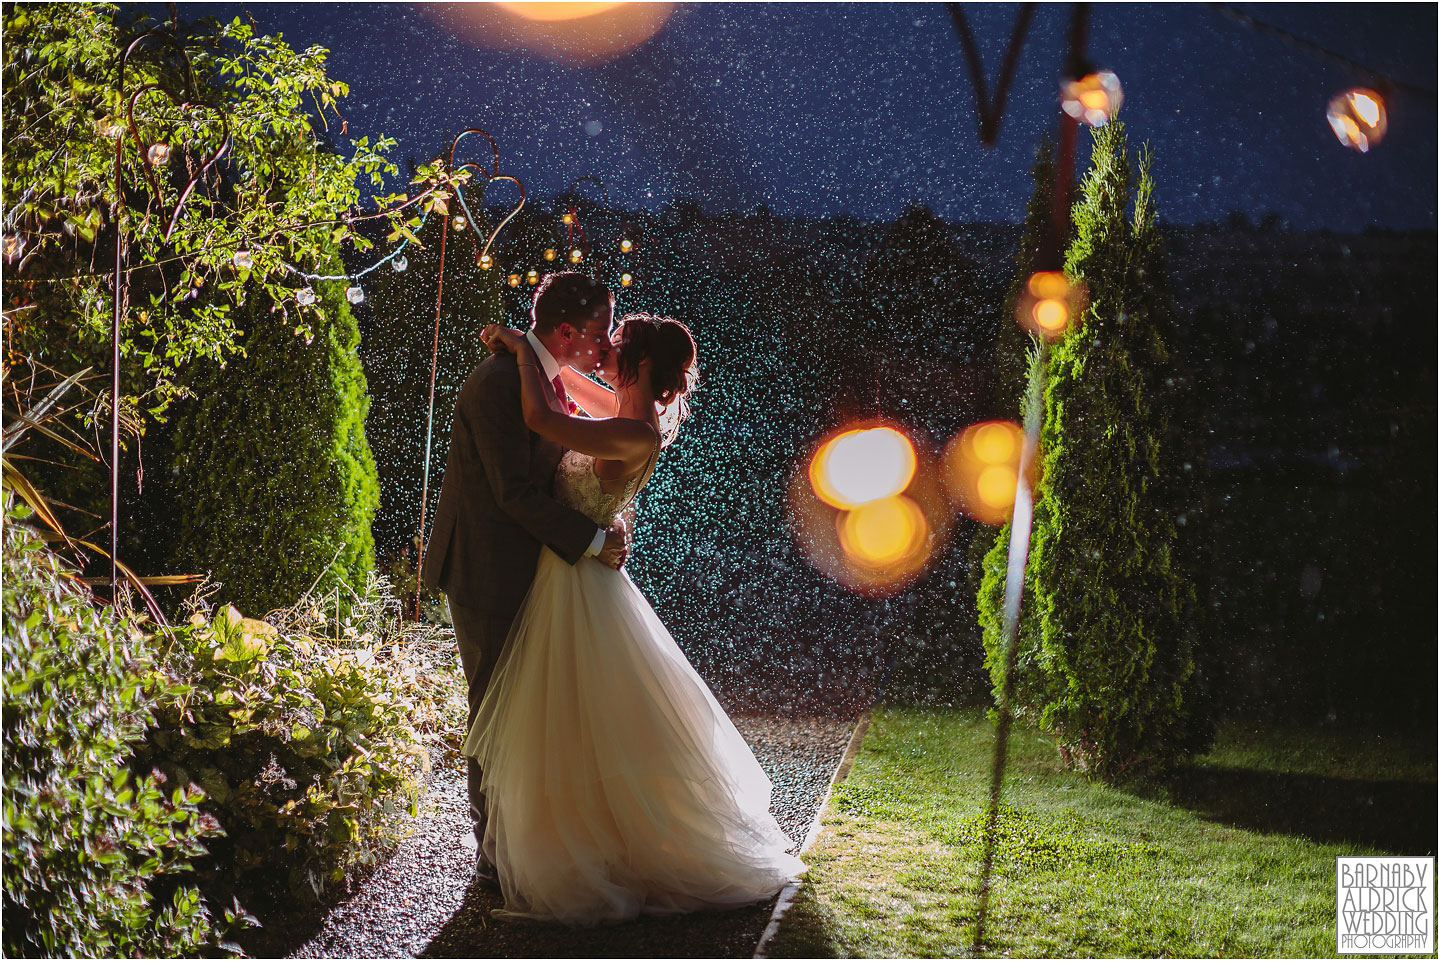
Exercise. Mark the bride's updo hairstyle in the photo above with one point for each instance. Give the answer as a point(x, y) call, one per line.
point(671, 351)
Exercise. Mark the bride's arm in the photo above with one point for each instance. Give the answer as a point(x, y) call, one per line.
point(611, 439)
point(595, 400)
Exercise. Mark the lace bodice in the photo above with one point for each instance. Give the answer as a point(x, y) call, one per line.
point(577, 486)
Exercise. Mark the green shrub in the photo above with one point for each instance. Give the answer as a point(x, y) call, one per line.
point(273, 479)
point(93, 845)
point(1108, 638)
point(306, 745)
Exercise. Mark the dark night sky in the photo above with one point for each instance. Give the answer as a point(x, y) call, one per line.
point(862, 108)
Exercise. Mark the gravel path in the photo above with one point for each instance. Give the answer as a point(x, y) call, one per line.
point(420, 902)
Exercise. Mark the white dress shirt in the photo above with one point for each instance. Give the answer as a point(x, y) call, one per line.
point(551, 368)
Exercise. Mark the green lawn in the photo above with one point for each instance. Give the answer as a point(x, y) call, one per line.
point(1232, 856)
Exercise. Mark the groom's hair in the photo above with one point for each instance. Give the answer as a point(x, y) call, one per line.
point(568, 297)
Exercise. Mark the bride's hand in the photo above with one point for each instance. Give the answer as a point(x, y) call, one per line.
point(502, 339)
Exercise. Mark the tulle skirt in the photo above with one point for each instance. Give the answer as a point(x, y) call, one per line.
point(614, 782)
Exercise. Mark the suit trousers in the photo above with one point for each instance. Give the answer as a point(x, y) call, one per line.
point(480, 637)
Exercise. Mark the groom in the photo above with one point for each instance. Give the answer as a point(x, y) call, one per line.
point(495, 506)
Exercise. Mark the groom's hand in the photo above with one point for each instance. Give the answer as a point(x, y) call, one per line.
point(617, 547)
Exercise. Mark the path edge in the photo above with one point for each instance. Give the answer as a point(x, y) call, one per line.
point(789, 892)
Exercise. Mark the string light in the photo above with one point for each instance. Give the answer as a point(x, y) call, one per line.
point(626, 245)
point(1094, 99)
point(626, 280)
point(458, 223)
point(884, 533)
point(567, 219)
point(304, 296)
point(513, 280)
point(532, 276)
point(399, 264)
point(550, 253)
point(1358, 118)
point(486, 262)
point(576, 255)
point(355, 294)
point(243, 259)
point(159, 154)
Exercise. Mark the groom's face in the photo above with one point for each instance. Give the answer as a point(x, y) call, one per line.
point(590, 345)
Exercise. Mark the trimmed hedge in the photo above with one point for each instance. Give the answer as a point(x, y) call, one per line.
point(273, 478)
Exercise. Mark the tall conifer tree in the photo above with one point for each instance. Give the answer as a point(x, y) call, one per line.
point(1107, 658)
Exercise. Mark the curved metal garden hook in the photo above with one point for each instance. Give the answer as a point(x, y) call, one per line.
point(491, 175)
point(190, 101)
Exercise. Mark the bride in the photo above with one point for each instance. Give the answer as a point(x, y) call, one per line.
point(615, 784)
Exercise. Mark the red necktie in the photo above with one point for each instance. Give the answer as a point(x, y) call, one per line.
point(563, 397)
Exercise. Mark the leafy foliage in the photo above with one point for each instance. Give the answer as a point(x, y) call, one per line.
point(276, 194)
point(89, 836)
point(306, 743)
point(1108, 638)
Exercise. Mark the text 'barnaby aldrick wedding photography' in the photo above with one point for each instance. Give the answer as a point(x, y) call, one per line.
point(1385, 905)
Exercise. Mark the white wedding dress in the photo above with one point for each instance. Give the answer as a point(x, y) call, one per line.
point(615, 784)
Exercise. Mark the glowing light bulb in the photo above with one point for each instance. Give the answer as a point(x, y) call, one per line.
point(1358, 118)
point(576, 255)
point(304, 296)
point(1094, 99)
point(355, 294)
point(458, 223)
point(626, 245)
point(486, 262)
point(243, 259)
point(567, 219)
point(159, 154)
point(860, 466)
point(513, 280)
point(626, 280)
point(550, 253)
point(399, 264)
point(532, 277)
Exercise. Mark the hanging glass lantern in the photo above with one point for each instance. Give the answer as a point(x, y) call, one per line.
point(550, 253)
point(159, 154)
point(532, 277)
point(626, 245)
point(243, 259)
point(626, 280)
point(513, 280)
point(355, 294)
point(399, 264)
point(1358, 118)
point(576, 255)
point(304, 296)
point(1094, 99)
point(486, 262)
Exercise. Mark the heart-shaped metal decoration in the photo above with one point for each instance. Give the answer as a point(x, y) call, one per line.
point(492, 175)
point(186, 105)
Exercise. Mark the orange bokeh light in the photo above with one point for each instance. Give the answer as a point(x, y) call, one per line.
point(579, 34)
point(982, 468)
point(1049, 304)
point(856, 467)
point(883, 533)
